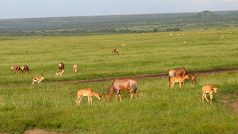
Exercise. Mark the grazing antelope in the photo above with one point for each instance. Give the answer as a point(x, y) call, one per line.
point(61, 66)
point(192, 77)
point(119, 85)
point(178, 79)
point(75, 68)
point(25, 68)
point(115, 51)
point(86, 92)
point(37, 79)
point(59, 73)
point(182, 71)
point(208, 89)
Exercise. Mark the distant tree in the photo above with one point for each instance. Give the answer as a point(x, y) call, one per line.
point(155, 30)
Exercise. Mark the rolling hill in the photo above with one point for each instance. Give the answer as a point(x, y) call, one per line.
point(118, 23)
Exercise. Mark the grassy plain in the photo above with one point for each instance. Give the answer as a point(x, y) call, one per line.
point(158, 109)
point(143, 53)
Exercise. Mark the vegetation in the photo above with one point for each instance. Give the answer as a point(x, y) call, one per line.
point(143, 54)
point(158, 109)
point(118, 24)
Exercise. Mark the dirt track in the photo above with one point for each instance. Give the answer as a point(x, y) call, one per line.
point(143, 76)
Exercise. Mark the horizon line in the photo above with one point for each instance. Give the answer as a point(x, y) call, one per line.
point(102, 15)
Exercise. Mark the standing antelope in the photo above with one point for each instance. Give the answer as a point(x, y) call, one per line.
point(178, 79)
point(75, 68)
point(119, 85)
point(208, 89)
point(37, 79)
point(86, 92)
point(61, 66)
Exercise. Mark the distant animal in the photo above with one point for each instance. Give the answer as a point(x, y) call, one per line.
point(61, 66)
point(86, 92)
point(25, 68)
point(37, 79)
point(182, 71)
point(59, 73)
point(119, 85)
point(115, 51)
point(208, 89)
point(123, 44)
point(75, 68)
point(15, 68)
point(178, 79)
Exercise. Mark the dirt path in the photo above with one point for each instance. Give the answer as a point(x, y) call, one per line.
point(232, 104)
point(39, 131)
point(143, 76)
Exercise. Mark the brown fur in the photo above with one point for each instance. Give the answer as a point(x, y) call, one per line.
point(15, 68)
point(208, 89)
point(61, 66)
point(178, 79)
point(119, 85)
point(37, 79)
point(182, 71)
point(192, 77)
point(115, 51)
point(25, 68)
point(59, 73)
point(86, 92)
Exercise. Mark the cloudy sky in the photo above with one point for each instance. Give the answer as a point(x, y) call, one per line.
point(54, 8)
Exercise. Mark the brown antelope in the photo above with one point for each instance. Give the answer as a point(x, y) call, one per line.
point(59, 73)
point(119, 85)
point(192, 77)
point(25, 68)
point(86, 92)
point(177, 72)
point(182, 71)
point(75, 68)
point(208, 89)
point(61, 66)
point(115, 51)
point(37, 79)
point(15, 68)
point(178, 79)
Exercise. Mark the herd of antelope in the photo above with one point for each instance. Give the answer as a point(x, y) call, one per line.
point(177, 75)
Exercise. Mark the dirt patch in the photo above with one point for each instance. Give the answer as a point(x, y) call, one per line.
point(39, 131)
point(143, 76)
point(232, 104)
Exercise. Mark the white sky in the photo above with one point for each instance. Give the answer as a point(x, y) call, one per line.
point(55, 8)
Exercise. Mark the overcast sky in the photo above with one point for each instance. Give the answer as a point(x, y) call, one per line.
point(55, 8)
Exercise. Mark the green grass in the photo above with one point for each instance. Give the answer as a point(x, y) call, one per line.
point(143, 53)
point(158, 109)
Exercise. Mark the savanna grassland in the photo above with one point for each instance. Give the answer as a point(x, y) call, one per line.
point(158, 109)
